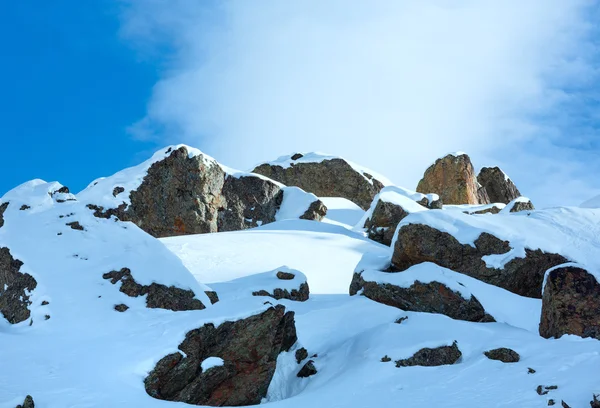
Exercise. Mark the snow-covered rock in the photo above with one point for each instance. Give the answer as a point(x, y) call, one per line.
point(498, 186)
point(326, 176)
point(519, 204)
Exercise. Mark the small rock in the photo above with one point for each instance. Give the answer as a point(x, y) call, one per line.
point(75, 225)
point(301, 354)
point(45, 302)
point(46, 317)
point(121, 307)
point(431, 357)
point(28, 403)
point(543, 390)
point(212, 296)
point(386, 359)
point(400, 320)
point(532, 371)
point(24, 207)
point(503, 354)
point(551, 402)
point(595, 402)
point(297, 156)
point(117, 190)
point(285, 275)
point(564, 404)
point(308, 370)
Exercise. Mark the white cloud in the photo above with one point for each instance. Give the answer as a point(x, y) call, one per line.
point(389, 84)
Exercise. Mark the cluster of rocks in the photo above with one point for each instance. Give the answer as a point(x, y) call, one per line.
point(300, 294)
point(15, 288)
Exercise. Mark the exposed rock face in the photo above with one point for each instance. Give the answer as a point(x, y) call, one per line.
point(499, 188)
point(248, 201)
point(521, 205)
point(249, 348)
point(315, 212)
point(180, 195)
point(300, 295)
point(3, 207)
point(328, 178)
point(419, 243)
point(382, 224)
point(14, 288)
point(430, 357)
point(28, 403)
point(159, 296)
point(433, 297)
point(571, 303)
point(503, 354)
point(453, 179)
point(307, 370)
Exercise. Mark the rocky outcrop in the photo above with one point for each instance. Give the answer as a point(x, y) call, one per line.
point(249, 349)
point(520, 204)
point(28, 403)
point(499, 188)
point(503, 354)
point(3, 207)
point(431, 357)
point(15, 288)
point(301, 294)
point(382, 224)
point(316, 211)
point(571, 303)
point(307, 370)
point(453, 179)
point(432, 297)
point(158, 296)
point(327, 178)
point(417, 243)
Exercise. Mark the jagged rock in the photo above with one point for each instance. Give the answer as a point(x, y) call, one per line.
point(499, 188)
point(158, 296)
point(520, 204)
point(249, 348)
point(24, 207)
point(307, 370)
point(571, 303)
point(417, 243)
point(212, 296)
point(595, 402)
point(28, 403)
point(248, 201)
point(15, 288)
point(327, 178)
point(301, 354)
point(75, 225)
point(117, 190)
point(384, 219)
point(453, 179)
point(301, 294)
point(3, 207)
point(121, 307)
point(430, 357)
point(433, 297)
point(503, 354)
point(315, 212)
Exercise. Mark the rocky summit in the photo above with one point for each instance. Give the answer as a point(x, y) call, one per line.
point(311, 281)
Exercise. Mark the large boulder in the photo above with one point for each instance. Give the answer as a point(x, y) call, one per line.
point(417, 243)
point(325, 176)
point(248, 349)
point(431, 357)
point(571, 303)
point(498, 186)
point(15, 288)
point(424, 288)
point(453, 179)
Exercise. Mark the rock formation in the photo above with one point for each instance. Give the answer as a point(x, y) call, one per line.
point(15, 288)
point(503, 354)
point(499, 188)
point(431, 357)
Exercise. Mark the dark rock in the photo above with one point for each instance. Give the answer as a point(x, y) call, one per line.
point(522, 206)
point(453, 179)
point(75, 225)
point(328, 178)
point(595, 402)
point(430, 357)
point(433, 297)
point(503, 354)
point(386, 359)
point(570, 304)
point(249, 201)
point(45, 302)
point(121, 307)
point(14, 288)
point(118, 212)
point(499, 188)
point(307, 370)
point(3, 208)
point(117, 190)
point(530, 370)
point(285, 275)
point(419, 243)
point(28, 403)
point(315, 212)
point(297, 156)
point(24, 207)
point(301, 294)
point(543, 390)
point(62, 190)
point(212, 296)
point(301, 354)
point(564, 404)
point(551, 402)
point(490, 210)
point(47, 317)
point(158, 296)
point(401, 319)
point(249, 348)
point(384, 219)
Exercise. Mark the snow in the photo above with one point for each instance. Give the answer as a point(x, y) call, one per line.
point(211, 362)
point(295, 203)
point(341, 211)
point(37, 194)
point(100, 191)
point(473, 208)
point(593, 202)
point(510, 205)
point(318, 157)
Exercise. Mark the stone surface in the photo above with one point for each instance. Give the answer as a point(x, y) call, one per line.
point(301, 294)
point(503, 354)
point(121, 307)
point(301, 354)
point(499, 188)
point(158, 296)
point(3, 207)
point(285, 275)
point(453, 179)
point(307, 370)
point(522, 206)
point(382, 224)
point(28, 403)
point(570, 304)
point(431, 357)
point(329, 178)
point(249, 348)
point(15, 288)
point(315, 212)
point(248, 201)
point(433, 297)
point(595, 402)
point(419, 243)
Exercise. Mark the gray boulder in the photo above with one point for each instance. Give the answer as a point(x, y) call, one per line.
point(15, 288)
point(499, 188)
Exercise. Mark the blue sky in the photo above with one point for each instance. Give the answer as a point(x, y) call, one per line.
point(92, 87)
point(70, 88)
